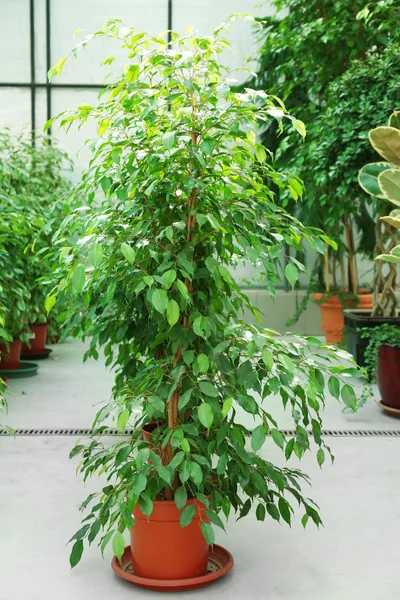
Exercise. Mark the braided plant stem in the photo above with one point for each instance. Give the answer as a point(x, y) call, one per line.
point(385, 280)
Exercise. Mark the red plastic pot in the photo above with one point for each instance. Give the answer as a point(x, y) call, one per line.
point(388, 375)
point(162, 549)
point(10, 358)
point(37, 341)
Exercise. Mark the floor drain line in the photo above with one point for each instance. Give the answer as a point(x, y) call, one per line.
point(128, 432)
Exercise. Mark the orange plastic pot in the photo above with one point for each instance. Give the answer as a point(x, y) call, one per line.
point(332, 318)
point(162, 549)
point(37, 341)
point(10, 358)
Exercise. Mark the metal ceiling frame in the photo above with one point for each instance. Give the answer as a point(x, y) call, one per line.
point(33, 85)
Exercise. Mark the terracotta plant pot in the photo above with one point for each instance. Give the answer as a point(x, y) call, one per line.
point(10, 359)
point(388, 375)
point(37, 341)
point(332, 318)
point(161, 549)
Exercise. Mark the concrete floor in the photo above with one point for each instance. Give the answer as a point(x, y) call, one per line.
point(356, 555)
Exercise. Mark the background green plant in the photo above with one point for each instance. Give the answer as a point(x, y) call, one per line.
point(382, 181)
point(331, 59)
point(34, 194)
point(178, 191)
point(385, 334)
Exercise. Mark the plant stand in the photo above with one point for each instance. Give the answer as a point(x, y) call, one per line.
point(355, 319)
point(220, 562)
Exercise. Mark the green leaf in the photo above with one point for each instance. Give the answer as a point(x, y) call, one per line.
point(203, 362)
point(198, 326)
point(95, 254)
point(226, 407)
point(180, 497)
point(50, 302)
point(260, 512)
point(76, 553)
point(172, 312)
point(145, 504)
point(284, 510)
point(261, 153)
point(94, 530)
point(184, 399)
point(287, 362)
point(273, 511)
point(132, 72)
point(334, 387)
point(208, 389)
point(169, 277)
point(278, 438)
point(164, 473)
point(196, 473)
point(128, 252)
point(349, 397)
point(168, 139)
point(206, 415)
point(185, 447)
point(123, 418)
point(267, 358)
point(299, 126)
point(187, 515)
point(208, 533)
point(320, 457)
point(291, 274)
point(159, 300)
point(214, 518)
point(183, 290)
point(222, 464)
point(78, 279)
point(139, 484)
point(258, 437)
point(103, 126)
point(118, 545)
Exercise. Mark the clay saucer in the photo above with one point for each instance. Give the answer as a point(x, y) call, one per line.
point(394, 412)
point(220, 562)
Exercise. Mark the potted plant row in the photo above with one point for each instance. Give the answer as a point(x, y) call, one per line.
point(186, 195)
point(34, 193)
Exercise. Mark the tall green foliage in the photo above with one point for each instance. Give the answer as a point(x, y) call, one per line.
point(178, 191)
point(336, 62)
point(33, 199)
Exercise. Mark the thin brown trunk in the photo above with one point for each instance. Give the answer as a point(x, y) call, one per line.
point(327, 276)
point(352, 279)
point(173, 413)
point(334, 266)
point(342, 272)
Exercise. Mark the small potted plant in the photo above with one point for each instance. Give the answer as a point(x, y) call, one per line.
point(34, 185)
point(186, 195)
point(380, 180)
point(14, 293)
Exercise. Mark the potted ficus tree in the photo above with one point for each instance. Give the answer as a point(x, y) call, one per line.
point(186, 194)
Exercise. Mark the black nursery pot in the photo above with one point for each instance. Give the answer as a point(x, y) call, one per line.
point(355, 319)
